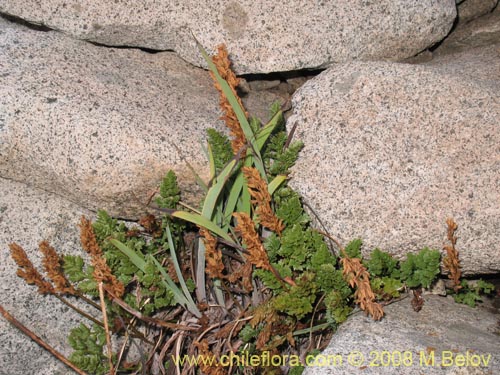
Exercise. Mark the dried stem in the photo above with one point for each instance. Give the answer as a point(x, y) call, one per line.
point(39, 341)
point(106, 328)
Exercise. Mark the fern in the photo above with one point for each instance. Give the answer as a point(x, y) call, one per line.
point(382, 264)
point(471, 294)
point(221, 148)
point(292, 212)
point(88, 346)
point(286, 159)
point(353, 248)
point(170, 193)
point(298, 300)
point(420, 269)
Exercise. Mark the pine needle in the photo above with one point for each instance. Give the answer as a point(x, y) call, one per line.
point(28, 272)
point(221, 61)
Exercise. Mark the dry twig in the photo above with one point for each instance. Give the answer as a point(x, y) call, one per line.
point(39, 341)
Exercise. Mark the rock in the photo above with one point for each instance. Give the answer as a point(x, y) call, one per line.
point(470, 9)
point(28, 216)
point(404, 342)
point(482, 31)
point(100, 126)
point(392, 150)
point(261, 36)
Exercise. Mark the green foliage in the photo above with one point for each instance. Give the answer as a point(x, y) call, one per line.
point(296, 370)
point(470, 293)
point(421, 269)
point(105, 226)
point(353, 248)
point(154, 287)
point(248, 333)
point(75, 270)
point(88, 346)
point(268, 278)
point(292, 212)
point(305, 272)
point(338, 298)
point(170, 194)
point(382, 264)
point(298, 300)
point(278, 158)
point(386, 287)
point(221, 148)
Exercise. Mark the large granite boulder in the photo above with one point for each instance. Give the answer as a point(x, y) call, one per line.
point(261, 36)
point(469, 9)
point(392, 150)
point(444, 338)
point(28, 216)
point(481, 31)
point(100, 126)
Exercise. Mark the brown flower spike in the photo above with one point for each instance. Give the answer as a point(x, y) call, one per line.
point(221, 61)
point(261, 197)
point(214, 265)
point(102, 272)
point(357, 276)
point(51, 264)
point(27, 271)
point(256, 254)
point(451, 261)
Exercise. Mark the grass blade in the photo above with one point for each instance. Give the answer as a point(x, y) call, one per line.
point(275, 183)
point(135, 258)
point(203, 222)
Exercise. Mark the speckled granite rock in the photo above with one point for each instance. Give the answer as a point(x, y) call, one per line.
point(261, 36)
point(28, 216)
point(470, 9)
point(392, 150)
point(99, 126)
point(451, 331)
point(482, 31)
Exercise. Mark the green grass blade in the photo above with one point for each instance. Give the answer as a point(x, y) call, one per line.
point(232, 199)
point(263, 135)
point(179, 297)
point(275, 183)
point(211, 162)
point(178, 271)
point(238, 110)
point(203, 222)
point(213, 193)
point(135, 258)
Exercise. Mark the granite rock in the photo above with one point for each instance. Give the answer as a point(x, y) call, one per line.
point(100, 126)
point(392, 150)
point(470, 9)
point(481, 31)
point(261, 36)
point(28, 216)
point(404, 342)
